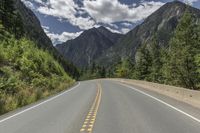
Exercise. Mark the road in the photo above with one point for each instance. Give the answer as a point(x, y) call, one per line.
point(103, 106)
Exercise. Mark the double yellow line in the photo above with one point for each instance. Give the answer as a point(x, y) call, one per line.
point(91, 117)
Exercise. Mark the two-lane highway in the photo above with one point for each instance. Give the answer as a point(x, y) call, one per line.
point(102, 106)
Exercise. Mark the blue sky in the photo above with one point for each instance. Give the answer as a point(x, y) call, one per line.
point(63, 20)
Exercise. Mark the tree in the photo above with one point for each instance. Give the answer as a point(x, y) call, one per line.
point(7, 12)
point(155, 52)
point(123, 69)
point(11, 19)
point(184, 46)
point(103, 72)
point(197, 60)
point(18, 28)
point(143, 63)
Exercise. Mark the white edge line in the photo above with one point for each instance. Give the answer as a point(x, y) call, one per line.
point(180, 111)
point(39, 104)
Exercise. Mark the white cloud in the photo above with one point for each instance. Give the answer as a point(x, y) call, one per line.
point(95, 12)
point(113, 30)
point(190, 1)
point(60, 38)
point(66, 10)
point(109, 11)
point(100, 11)
point(29, 4)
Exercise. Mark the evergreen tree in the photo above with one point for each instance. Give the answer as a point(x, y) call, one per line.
point(18, 28)
point(11, 19)
point(123, 69)
point(7, 12)
point(143, 64)
point(197, 60)
point(155, 52)
point(103, 72)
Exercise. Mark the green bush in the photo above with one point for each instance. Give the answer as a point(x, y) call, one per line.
point(27, 74)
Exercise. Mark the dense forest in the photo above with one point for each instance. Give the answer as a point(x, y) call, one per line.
point(27, 73)
point(176, 64)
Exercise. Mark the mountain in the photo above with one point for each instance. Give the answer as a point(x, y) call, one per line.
point(32, 26)
point(106, 48)
point(161, 23)
point(33, 31)
point(89, 46)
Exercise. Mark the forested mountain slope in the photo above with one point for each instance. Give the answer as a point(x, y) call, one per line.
point(32, 30)
point(27, 71)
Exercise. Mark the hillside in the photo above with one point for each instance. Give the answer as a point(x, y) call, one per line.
point(89, 46)
point(33, 30)
point(27, 71)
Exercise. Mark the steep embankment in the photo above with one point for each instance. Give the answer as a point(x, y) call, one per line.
point(27, 72)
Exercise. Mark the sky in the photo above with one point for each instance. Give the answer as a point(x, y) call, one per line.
point(63, 20)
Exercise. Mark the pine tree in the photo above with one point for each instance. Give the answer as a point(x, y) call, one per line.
point(143, 64)
point(123, 69)
point(197, 60)
point(103, 72)
point(7, 12)
point(181, 67)
point(155, 52)
point(18, 28)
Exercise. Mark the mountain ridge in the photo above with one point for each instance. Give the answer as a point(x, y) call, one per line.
point(161, 23)
point(90, 45)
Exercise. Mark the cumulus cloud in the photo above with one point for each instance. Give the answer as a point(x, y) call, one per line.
point(98, 11)
point(190, 1)
point(109, 11)
point(59, 38)
point(92, 13)
point(66, 10)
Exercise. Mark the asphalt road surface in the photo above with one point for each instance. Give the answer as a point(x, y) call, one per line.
point(103, 106)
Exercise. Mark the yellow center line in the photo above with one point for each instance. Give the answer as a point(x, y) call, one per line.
point(88, 124)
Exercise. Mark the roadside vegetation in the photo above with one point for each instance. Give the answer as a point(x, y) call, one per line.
point(27, 73)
